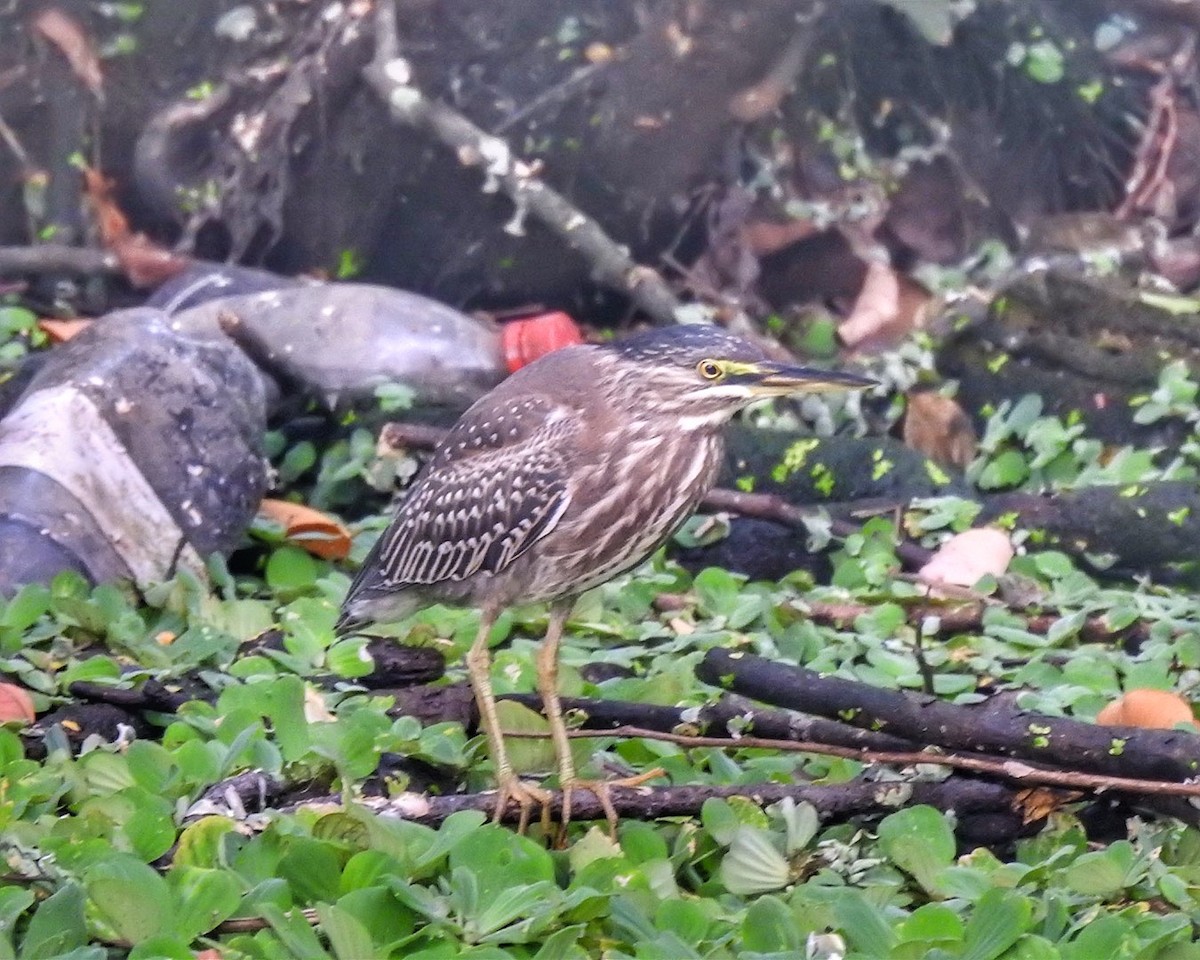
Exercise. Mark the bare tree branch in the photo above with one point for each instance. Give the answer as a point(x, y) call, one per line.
point(836, 802)
point(57, 258)
point(610, 263)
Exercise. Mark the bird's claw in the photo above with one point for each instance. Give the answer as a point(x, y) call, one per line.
point(602, 789)
point(512, 789)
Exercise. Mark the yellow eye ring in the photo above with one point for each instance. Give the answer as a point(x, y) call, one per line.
point(709, 370)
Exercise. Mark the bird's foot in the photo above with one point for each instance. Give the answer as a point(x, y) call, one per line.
point(512, 789)
point(603, 792)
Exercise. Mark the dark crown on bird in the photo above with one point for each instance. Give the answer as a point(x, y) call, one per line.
point(686, 345)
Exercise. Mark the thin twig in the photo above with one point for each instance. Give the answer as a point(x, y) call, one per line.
point(770, 506)
point(1011, 770)
point(922, 664)
point(14, 145)
point(558, 94)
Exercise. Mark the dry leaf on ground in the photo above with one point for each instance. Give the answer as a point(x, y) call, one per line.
point(937, 426)
point(318, 533)
point(15, 704)
point(967, 556)
point(60, 331)
point(144, 262)
point(1149, 709)
point(66, 33)
point(888, 306)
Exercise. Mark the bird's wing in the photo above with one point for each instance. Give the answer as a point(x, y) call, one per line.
point(494, 487)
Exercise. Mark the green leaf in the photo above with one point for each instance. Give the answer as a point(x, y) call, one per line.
point(298, 937)
point(511, 904)
point(26, 606)
point(718, 592)
point(1104, 936)
point(863, 925)
point(753, 864)
point(348, 937)
point(200, 843)
point(57, 926)
point(16, 320)
point(501, 859)
point(723, 818)
point(14, 901)
point(151, 766)
point(380, 914)
point(595, 845)
point(205, 897)
point(919, 841)
point(802, 822)
point(1009, 469)
point(150, 828)
point(641, 842)
point(1102, 872)
point(313, 869)
point(1053, 564)
point(348, 658)
point(997, 922)
point(290, 569)
point(932, 922)
point(163, 947)
point(394, 396)
point(130, 896)
point(1044, 62)
point(770, 927)
point(687, 919)
point(454, 831)
point(561, 945)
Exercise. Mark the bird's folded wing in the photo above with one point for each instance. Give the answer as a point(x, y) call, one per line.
point(474, 512)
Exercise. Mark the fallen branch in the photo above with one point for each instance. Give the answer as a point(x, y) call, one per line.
point(728, 721)
point(1009, 770)
point(57, 258)
point(609, 262)
point(834, 802)
point(996, 727)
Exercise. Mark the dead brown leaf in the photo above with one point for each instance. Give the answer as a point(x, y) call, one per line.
point(888, 306)
point(1037, 803)
point(764, 237)
point(144, 262)
point(111, 222)
point(60, 331)
point(967, 556)
point(66, 33)
point(318, 533)
point(1149, 709)
point(16, 704)
point(936, 426)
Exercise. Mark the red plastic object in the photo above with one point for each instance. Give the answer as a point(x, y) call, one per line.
point(523, 341)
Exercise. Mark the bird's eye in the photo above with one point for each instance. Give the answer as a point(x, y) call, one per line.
point(709, 369)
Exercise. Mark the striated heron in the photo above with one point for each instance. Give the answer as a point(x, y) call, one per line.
point(574, 469)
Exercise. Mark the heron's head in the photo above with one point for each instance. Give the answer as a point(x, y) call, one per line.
point(700, 372)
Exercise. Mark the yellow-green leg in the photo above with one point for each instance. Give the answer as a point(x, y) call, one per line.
point(547, 678)
point(547, 683)
point(509, 787)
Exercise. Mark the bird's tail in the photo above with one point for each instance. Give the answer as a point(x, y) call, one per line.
point(348, 622)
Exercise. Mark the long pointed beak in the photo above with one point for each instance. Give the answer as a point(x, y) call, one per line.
point(772, 379)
